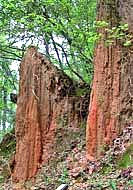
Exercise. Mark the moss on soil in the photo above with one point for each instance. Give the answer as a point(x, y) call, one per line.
point(126, 159)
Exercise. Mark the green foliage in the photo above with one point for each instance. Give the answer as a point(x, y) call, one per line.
point(81, 92)
point(131, 182)
point(113, 185)
point(8, 83)
point(64, 176)
point(106, 169)
point(128, 43)
point(7, 109)
point(8, 144)
point(1, 179)
point(102, 24)
point(127, 158)
point(119, 32)
point(64, 29)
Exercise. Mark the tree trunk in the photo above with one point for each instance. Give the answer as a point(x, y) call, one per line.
point(4, 117)
point(111, 104)
point(49, 109)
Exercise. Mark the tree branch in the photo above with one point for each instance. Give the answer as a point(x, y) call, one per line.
point(56, 50)
point(77, 74)
point(9, 73)
point(10, 58)
point(12, 53)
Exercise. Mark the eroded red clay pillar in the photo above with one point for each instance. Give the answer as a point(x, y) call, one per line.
point(110, 107)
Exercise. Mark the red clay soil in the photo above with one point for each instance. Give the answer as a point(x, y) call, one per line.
point(105, 100)
point(111, 102)
point(46, 99)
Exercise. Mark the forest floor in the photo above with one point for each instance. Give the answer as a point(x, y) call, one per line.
point(113, 171)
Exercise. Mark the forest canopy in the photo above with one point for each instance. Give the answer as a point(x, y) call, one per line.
point(63, 30)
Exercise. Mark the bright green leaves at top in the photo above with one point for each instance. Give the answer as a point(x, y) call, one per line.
point(119, 32)
point(70, 21)
point(101, 24)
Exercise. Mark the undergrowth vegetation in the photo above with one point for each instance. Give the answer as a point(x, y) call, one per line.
point(113, 171)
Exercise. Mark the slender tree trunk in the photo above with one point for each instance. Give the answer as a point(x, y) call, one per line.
point(112, 91)
point(4, 117)
point(0, 111)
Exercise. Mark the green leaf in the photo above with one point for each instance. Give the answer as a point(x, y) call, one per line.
point(113, 185)
point(127, 43)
